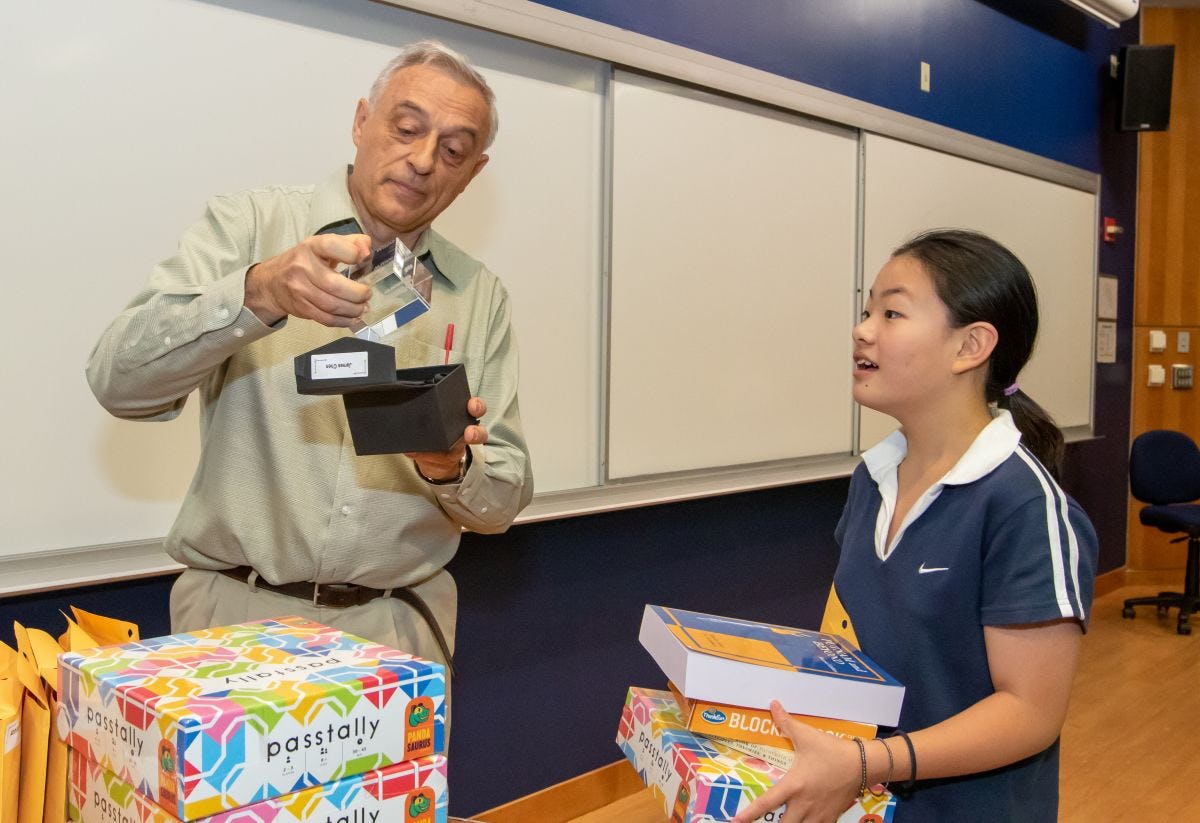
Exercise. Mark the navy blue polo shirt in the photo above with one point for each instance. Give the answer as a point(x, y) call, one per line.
point(996, 542)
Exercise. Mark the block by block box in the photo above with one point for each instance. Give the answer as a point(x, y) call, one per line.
point(413, 791)
point(701, 781)
point(222, 718)
point(756, 725)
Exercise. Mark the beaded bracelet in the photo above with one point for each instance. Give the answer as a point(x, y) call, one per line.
point(862, 757)
point(891, 768)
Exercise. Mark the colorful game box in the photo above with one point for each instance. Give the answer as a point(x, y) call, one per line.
point(410, 792)
point(700, 781)
point(779, 758)
point(755, 725)
point(221, 718)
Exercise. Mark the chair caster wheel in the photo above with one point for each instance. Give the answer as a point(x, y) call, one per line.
point(1184, 629)
point(1127, 612)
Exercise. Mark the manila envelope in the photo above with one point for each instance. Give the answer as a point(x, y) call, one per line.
point(35, 729)
point(44, 651)
point(35, 740)
point(86, 631)
point(102, 631)
point(11, 692)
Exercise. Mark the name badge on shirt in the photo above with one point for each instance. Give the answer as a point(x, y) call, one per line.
point(343, 364)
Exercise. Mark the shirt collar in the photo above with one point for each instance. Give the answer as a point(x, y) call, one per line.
point(442, 258)
point(991, 447)
point(331, 203)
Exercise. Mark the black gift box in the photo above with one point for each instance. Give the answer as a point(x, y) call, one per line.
point(389, 410)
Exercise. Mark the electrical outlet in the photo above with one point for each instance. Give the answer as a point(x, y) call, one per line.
point(924, 76)
point(1158, 340)
point(1158, 375)
point(1181, 376)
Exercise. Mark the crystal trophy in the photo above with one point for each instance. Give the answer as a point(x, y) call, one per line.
point(400, 290)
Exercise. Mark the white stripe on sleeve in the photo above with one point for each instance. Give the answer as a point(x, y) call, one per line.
point(1054, 495)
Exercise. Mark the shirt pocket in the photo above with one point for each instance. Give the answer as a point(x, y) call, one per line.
point(412, 351)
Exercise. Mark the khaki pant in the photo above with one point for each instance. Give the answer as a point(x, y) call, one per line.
point(201, 599)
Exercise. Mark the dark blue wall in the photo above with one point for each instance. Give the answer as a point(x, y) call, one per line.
point(549, 616)
point(1017, 73)
point(143, 602)
point(547, 639)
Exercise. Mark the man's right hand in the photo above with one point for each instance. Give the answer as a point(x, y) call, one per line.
point(302, 282)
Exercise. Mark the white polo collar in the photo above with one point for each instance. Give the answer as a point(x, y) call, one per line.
point(991, 447)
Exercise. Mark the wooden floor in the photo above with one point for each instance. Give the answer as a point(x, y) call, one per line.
point(1130, 747)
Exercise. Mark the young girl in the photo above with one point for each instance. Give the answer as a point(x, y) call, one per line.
point(965, 571)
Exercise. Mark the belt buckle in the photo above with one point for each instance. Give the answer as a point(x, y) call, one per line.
point(336, 595)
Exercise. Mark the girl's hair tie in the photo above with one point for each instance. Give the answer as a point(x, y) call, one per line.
point(1013, 389)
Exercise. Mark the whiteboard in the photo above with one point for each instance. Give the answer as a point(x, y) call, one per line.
point(1050, 227)
point(732, 296)
point(123, 117)
point(683, 266)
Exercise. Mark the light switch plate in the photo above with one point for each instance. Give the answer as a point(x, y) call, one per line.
point(1158, 340)
point(1183, 342)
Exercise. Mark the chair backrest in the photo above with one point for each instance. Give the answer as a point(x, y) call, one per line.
point(1164, 468)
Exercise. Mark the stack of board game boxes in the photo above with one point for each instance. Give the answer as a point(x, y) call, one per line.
point(708, 747)
point(282, 720)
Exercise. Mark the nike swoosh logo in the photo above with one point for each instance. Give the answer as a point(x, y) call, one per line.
point(924, 570)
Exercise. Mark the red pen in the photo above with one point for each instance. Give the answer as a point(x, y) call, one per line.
point(449, 342)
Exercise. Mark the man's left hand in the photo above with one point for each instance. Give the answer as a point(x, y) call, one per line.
point(444, 465)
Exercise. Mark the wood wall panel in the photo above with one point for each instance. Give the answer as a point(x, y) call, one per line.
point(1167, 274)
point(1167, 289)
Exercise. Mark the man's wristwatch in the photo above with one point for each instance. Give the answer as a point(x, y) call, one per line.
point(463, 463)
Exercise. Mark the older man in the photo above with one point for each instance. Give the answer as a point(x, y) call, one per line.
point(282, 516)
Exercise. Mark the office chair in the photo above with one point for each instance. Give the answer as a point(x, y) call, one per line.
point(1164, 472)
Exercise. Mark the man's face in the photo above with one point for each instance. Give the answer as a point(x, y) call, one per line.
point(418, 148)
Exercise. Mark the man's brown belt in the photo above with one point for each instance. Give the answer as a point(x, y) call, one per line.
point(344, 595)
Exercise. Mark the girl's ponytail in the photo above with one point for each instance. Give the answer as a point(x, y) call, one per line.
point(1039, 434)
